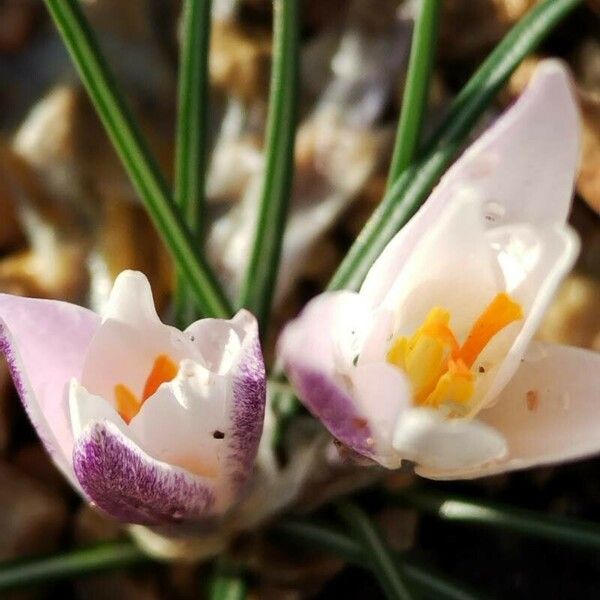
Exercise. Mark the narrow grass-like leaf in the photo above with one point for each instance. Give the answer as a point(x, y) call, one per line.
point(261, 274)
point(503, 518)
point(192, 119)
point(135, 155)
point(317, 536)
point(414, 101)
point(411, 188)
point(225, 586)
point(86, 561)
point(375, 550)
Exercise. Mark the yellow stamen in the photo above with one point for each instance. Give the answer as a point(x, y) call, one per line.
point(163, 370)
point(423, 356)
point(127, 403)
point(438, 368)
point(456, 385)
point(501, 311)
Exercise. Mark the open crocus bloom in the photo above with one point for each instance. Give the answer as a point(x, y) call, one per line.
point(154, 425)
point(432, 361)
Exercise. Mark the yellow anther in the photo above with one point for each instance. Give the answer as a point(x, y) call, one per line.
point(438, 368)
point(127, 404)
point(455, 386)
point(500, 312)
point(163, 370)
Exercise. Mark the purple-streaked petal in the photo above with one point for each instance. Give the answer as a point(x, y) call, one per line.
point(342, 377)
point(213, 410)
point(316, 349)
point(247, 409)
point(131, 486)
point(45, 342)
point(334, 407)
point(523, 166)
point(548, 413)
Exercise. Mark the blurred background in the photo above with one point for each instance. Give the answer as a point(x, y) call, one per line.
point(70, 221)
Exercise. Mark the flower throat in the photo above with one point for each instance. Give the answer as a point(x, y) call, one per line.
point(439, 368)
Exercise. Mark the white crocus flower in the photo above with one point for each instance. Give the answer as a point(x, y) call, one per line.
point(433, 360)
point(154, 425)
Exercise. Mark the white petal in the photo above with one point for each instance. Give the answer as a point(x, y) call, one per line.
point(548, 413)
point(130, 339)
point(176, 424)
point(556, 249)
point(131, 300)
point(328, 335)
point(319, 350)
point(452, 267)
point(219, 342)
point(382, 393)
point(86, 408)
point(523, 167)
point(432, 442)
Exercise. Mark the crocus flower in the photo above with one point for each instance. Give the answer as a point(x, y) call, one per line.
point(433, 360)
point(151, 424)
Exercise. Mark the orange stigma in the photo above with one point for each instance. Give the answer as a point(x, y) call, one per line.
point(439, 369)
point(163, 370)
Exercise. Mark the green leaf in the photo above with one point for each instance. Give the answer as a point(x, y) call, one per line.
point(86, 561)
point(192, 120)
point(492, 515)
point(318, 536)
point(414, 101)
point(411, 188)
point(135, 155)
point(261, 274)
point(227, 586)
point(376, 552)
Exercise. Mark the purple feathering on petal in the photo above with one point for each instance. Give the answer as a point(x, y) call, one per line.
point(329, 403)
point(248, 410)
point(130, 486)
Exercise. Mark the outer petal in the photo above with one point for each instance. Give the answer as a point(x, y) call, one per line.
point(209, 419)
point(308, 349)
point(548, 413)
point(131, 486)
point(44, 342)
point(247, 410)
point(382, 392)
point(523, 166)
point(555, 250)
point(321, 352)
point(334, 407)
point(425, 437)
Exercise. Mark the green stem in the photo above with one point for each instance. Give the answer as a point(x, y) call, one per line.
point(192, 119)
point(135, 155)
point(226, 586)
point(375, 550)
point(411, 188)
point(261, 274)
point(86, 561)
point(504, 518)
point(414, 102)
point(316, 536)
